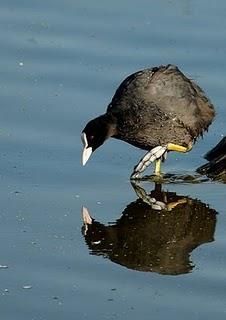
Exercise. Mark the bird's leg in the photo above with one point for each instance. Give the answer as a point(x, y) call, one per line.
point(155, 154)
point(176, 147)
point(158, 167)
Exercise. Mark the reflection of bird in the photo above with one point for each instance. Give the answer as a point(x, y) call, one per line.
point(216, 166)
point(156, 109)
point(145, 239)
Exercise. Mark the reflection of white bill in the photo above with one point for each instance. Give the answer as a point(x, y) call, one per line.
point(86, 216)
point(87, 220)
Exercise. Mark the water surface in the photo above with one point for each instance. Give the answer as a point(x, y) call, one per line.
point(61, 62)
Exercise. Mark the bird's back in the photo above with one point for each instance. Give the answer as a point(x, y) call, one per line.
point(161, 100)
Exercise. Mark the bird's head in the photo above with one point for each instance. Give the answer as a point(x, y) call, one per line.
point(93, 136)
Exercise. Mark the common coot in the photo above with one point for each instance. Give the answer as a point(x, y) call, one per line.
point(157, 109)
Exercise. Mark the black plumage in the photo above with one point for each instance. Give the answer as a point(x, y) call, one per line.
point(216, 165)
point(151, 108)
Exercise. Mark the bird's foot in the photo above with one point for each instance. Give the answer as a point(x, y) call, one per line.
point(153, 155)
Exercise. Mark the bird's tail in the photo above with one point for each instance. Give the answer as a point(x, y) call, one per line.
point(216, 157)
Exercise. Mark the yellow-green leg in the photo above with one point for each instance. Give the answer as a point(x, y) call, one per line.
point(155, 155)
point(158, 167)
point(175, 147)
point(170, 147)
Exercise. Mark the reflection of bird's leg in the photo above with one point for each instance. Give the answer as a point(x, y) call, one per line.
point(156, 154)
point(141, 193)
point(153, 202)
point(172, 205)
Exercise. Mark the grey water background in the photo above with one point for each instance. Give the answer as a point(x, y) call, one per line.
point(60, 64)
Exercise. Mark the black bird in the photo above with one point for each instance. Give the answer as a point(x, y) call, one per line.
point(216, 166)
point(157, 109)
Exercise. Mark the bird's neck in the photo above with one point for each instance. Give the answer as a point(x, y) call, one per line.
point(108, 123)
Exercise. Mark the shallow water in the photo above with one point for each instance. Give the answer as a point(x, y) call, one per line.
point(60, 64)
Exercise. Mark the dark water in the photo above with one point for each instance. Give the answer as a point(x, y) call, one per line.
point(60, 64)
